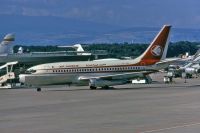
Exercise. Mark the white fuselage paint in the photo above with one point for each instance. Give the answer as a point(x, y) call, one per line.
point(70, 73)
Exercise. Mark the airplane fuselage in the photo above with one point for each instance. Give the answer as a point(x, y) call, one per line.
point(72, 72)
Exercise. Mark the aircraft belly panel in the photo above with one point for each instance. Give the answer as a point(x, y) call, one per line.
point(48, 79)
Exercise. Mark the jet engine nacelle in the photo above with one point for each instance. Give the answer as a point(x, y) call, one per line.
point(105, 83)
point(198, 71)
point(191, 70)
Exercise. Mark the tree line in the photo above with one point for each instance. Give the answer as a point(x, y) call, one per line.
point(120, 49)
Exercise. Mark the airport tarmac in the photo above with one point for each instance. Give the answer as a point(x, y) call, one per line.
point(147, 108)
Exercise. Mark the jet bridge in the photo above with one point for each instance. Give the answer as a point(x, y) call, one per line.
point(5, 80)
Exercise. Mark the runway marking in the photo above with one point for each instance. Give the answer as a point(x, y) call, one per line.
point(169, 128)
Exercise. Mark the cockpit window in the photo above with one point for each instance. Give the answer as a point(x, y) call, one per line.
point(30, 71)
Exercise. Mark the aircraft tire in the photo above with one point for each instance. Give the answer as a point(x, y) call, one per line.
point(39, 89)
point(105, 87)
point(93, 88)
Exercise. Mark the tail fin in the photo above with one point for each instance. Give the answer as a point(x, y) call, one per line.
point(8, 39)
point(78, 47)
point(4, 45)
point(157, 49)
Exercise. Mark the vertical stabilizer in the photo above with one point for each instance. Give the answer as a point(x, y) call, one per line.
point(5, 45)
point(78, 47)
point(157, 50)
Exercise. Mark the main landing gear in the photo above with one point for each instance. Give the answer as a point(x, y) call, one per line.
point(39, 89)
point(93, 88)
point(104, 87)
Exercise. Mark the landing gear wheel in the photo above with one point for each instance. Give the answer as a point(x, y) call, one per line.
point(93, 88)
point(106, 87)
point(39, 89)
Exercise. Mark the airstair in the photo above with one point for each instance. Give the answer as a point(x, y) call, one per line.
point(4, 79)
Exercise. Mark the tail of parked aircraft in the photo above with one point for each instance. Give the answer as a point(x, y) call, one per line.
point(78, 47)
point(158, 48)
point(8, 39)
point(5, 46)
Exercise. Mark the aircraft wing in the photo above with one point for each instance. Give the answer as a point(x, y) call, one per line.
point(130, 75)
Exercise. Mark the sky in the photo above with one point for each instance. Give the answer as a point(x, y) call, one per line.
point(127, 13)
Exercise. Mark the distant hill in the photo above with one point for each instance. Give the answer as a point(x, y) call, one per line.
point(60, 31)
point(44, 30)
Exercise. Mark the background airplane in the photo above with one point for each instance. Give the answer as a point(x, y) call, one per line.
point(192, 67)
point(35, 58)
point(186, 67)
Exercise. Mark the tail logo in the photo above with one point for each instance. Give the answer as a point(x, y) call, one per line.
point(156, 50)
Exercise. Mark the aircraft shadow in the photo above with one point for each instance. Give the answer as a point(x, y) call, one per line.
point(125, 88)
